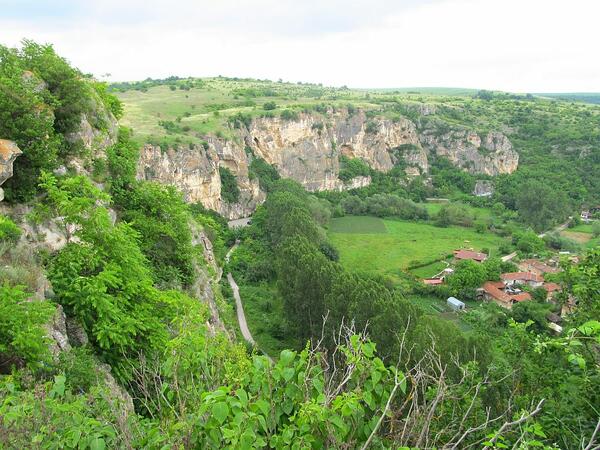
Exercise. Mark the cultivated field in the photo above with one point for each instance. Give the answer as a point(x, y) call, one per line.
point(363, 245)
point(582, 234)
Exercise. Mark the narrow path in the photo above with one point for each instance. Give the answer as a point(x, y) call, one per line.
point(240, 310)
point(557, 229)
point(238, 300)
point(508, 257)
point(239, 223)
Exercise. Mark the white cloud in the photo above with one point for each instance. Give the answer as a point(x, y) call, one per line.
point(515, 45)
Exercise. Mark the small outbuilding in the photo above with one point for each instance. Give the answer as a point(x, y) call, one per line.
point(455, 304)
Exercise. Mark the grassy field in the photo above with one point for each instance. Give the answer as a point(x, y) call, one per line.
point(359, 225)
point(582, 234)
point(429, 270)
point(478, 213)
point(404, 243)
point(438, 306)
point(582, 228)
point(205, 108)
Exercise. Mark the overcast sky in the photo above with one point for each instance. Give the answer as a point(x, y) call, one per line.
point(512, 45)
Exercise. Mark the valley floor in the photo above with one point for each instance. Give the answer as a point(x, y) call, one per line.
point(388, 247)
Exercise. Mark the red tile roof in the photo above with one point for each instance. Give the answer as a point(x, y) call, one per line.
point(469, 254)
point(522, 276)
point(551, 287)
point(433, 281)
point(521, 297)
point(539, 265)
point(490, 288)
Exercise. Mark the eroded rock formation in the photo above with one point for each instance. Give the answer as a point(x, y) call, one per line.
point(9, 151)
point(308, 150)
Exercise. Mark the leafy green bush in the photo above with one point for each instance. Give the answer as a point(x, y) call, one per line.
point(9, 231)
point(372, 127)
point(160, 216)
point(51, 416)
point(110, 101)
point(80, 369)
point(352, 168)
point(22, 336)
point(42, 100)
point(241, 119)
point(289, 115)
point(265, 172)
point(454, 214)
point(105, 280)
point(230, 192)
point(268, 106)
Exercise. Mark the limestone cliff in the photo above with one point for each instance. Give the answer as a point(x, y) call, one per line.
point(308, 149)
point(195, 171)
point(492, 155)
point(9, 151)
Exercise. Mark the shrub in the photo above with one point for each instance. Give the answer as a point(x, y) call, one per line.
point(352, 168)
point(22, 336)
point(288, 114)
point(268, 106)
point(318, 126)
point(9, 231)
point(371, 127)
point(230, 192)
point(160, 216)
point(454, 214)
point(265, 173)
point(240, 120)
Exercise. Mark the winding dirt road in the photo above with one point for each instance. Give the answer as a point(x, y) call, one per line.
point(240, 310)
point(238, 301)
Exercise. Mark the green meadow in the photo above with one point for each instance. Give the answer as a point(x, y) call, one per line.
point(364, 245)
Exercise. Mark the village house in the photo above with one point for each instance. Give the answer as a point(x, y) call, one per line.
point(552, 289)
point(586, 216)
point(433, 281)
point(537, 267)
point(463, 254)
point(518, 278)
point(495, 291)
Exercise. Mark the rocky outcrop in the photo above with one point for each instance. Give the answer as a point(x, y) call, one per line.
point(483, 188)
point(492, 155)
point(9, 151)
point(308, 149)
point(195, 171)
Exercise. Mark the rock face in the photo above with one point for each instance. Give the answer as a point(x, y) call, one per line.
point(9, 151)
point(492, 155)
point(308, 149)
point(195, 171)
point(483, 188)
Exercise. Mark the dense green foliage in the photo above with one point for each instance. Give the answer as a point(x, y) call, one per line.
point(352, 168)
point(160, 216)
point(42, 100)
point(265, 173)
point(9, 231)
point(230, 192)
point(22, 337)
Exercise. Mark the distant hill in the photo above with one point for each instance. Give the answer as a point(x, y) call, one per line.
point(424, 90)
point(587, 97)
